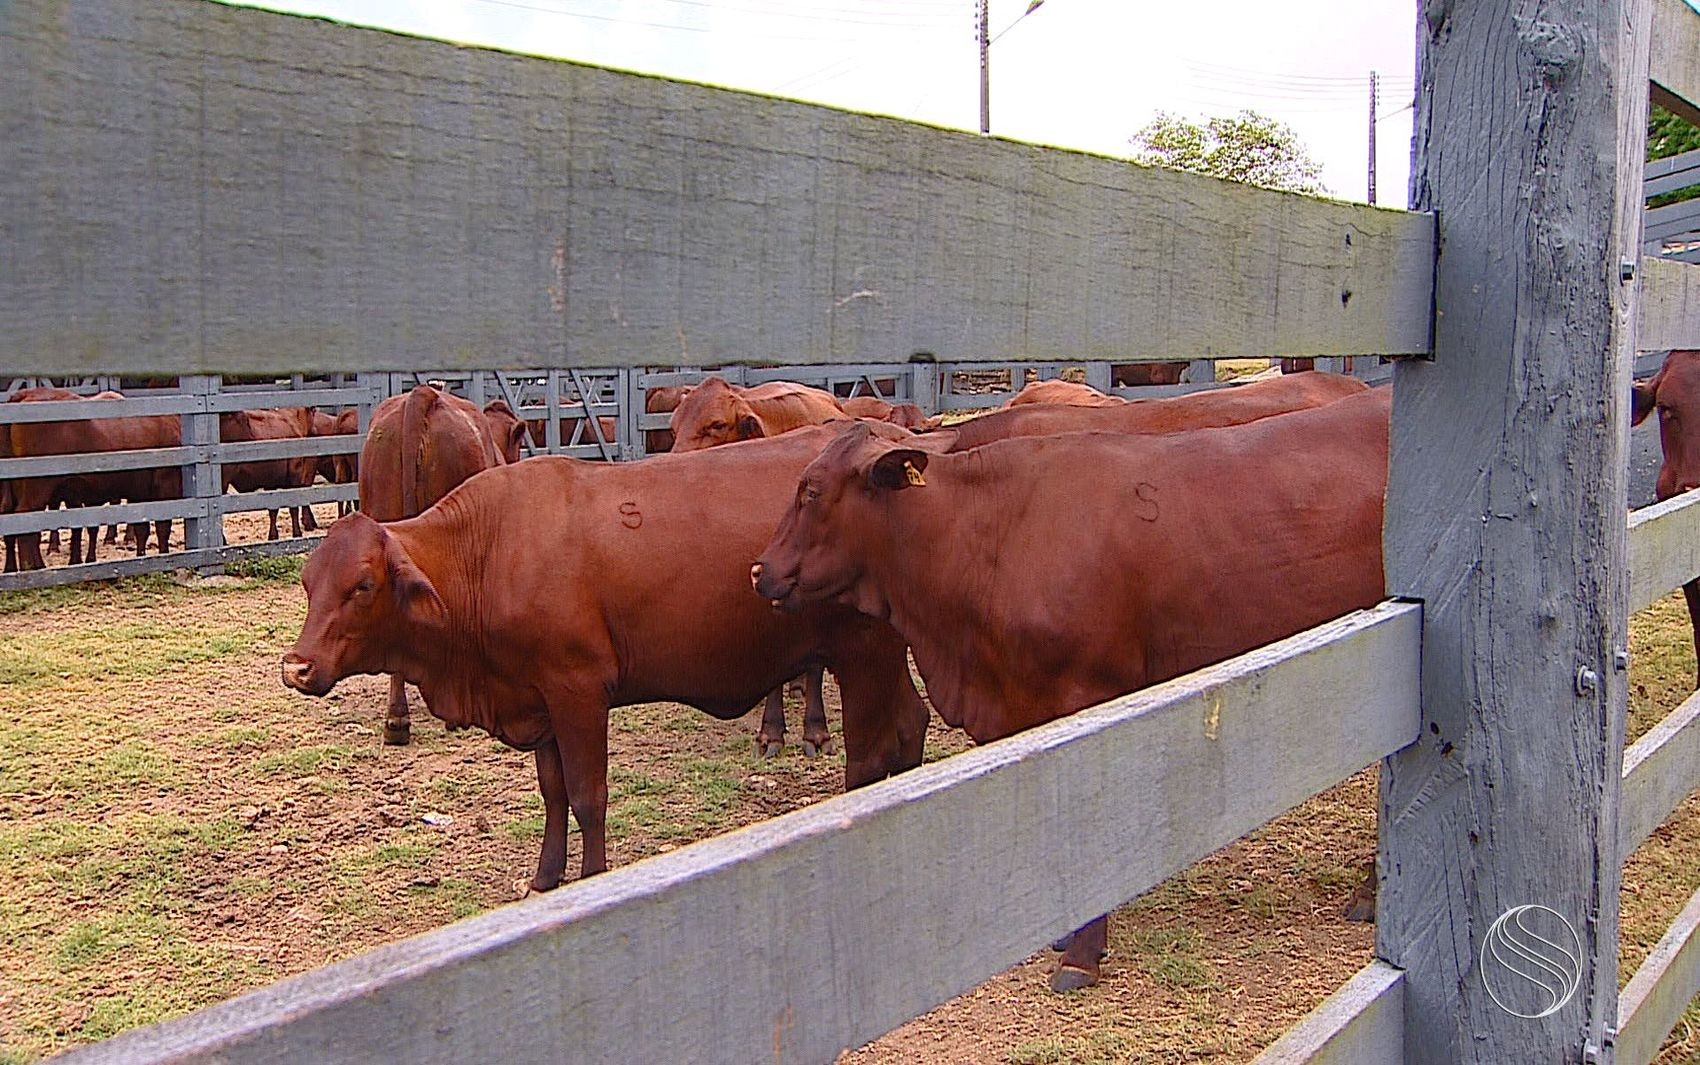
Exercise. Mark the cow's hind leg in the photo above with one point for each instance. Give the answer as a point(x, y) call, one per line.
point(271, 530)
point(76, 546)
point(770, 740)
point(1691, 592)
point(11, 554)
point(1081, 958)
point(139, 537)
point(552, 785)
point(53, 544)
point(161, 529)
point(397, 728)
point(817, 740)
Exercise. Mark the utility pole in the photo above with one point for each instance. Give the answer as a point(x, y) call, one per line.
point(985, 67)
point(1372, 88)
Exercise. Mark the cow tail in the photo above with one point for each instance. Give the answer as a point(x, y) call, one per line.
point(413, 415)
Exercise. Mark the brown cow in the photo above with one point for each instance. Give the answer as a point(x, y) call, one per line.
point(282, 423)
point(419, 446)
point(1219, 541)
point(1124, 375)
point(1214, 407)
point(340, 468)
point(1675, 393)
point(538, 428)
point(1065, 392)
point(534, 598)
point(664, 399)
point(906, 415)
point(80, 436)
point(715, 412)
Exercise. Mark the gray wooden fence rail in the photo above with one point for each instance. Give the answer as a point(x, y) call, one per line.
point(1497, 704)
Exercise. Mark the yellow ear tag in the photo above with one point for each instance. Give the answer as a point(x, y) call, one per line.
point(913, 474)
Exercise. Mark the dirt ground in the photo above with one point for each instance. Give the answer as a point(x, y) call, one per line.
point(176, 827)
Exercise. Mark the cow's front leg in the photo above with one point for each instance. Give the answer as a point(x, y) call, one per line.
point(770, 740)
point(552, 785)
point(1080, 961)
point(581, 735)
point(817, 740)
point(397, 728)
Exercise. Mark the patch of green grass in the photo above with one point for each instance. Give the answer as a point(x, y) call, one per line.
point(9, 1056)
point(1046, 1050)
point(1170, 956)
point(130, 649)
point(85, 942)
point(303, 761)
point(279, 569)
point(235, 738)
point(455, 897)
point(403, 854)
point(525, 829)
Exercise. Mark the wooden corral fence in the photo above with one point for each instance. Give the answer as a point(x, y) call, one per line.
point(221, 184)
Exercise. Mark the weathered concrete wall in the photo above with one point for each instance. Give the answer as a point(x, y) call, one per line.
point(188, 186)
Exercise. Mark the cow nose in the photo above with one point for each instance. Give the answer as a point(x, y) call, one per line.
point(755, 575)
point(297, 671)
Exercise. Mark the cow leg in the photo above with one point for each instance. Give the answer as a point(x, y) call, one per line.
point(53, 544)
point(11, 554)
point(29, 551)
point(581, 736)
point(770, 740)
point(112, 533)
point(76, 536)
point(1079, 965)
point(139, 537)
point(308, 521)
point(817, 740)
point(397, 728)
point(294, 522)
point(1691, 592)
point(552, 785)
point(93, 537)
point(271, 531)
point(885, 721)
point(161, 529)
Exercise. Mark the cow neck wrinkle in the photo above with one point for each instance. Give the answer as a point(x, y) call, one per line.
point(443, 543)
point(939, 602)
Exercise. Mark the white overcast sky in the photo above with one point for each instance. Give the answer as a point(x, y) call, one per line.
point(1076, 73)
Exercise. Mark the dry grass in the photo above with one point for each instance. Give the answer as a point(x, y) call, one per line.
point(175, 828)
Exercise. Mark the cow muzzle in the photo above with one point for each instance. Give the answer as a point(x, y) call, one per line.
point(775, 591)
point(299, 674)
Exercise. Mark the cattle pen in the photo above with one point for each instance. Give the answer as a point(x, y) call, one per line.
point(193, 189)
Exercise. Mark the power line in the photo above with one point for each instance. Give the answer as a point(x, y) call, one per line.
point(1294, 80)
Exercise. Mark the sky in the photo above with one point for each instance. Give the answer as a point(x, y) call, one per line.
point(1080, 74)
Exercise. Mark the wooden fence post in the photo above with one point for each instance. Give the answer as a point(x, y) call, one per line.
point(203, 481)
point(1506, 516)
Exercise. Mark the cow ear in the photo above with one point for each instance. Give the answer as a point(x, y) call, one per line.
point(898, 468)
point(749, 428)
point(516, 436)
point(1644, 397)
point(414, 593)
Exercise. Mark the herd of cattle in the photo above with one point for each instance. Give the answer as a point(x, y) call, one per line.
point(1034, 561)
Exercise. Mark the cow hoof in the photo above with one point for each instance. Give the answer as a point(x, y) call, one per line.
point(397, 735)
point(811, 749)
point(1061, 944)
point(770, 749)
point(1070, 978)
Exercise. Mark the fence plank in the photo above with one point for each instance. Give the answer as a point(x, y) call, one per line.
point(132, 566)
point(1661, 989)
point(1363, 1023)
point(1671, 173)
point(552, 200)
point(1670, 305)
point(278, 498)
point(110, 514)
point(1496, 512)
point(794, 938)
point(1659, 771)
point(97, 462)
point(1674, 65)
point(1664, 548)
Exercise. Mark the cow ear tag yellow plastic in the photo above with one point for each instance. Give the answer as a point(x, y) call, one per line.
point(913, 474)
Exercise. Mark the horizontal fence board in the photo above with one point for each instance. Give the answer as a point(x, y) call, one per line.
point(98, 462)
point(1674, 61)
point(1670, 305)
point(70, 410)
point(109, 514)
point(1664, 548)
point(152, 563)
point(794, 938)
point(1672, 173)
point(1659, 771)
point(557, 214)
point(289, 448)
point(1653, 1000)
point(1363, 1023)
point(1671, 220)
point(278, 498)
point(301, 397)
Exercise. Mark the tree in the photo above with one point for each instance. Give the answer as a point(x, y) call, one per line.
point(1668, 135)
point(1247, 147)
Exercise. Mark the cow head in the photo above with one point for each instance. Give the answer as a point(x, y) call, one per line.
point(366, 601)
point(821, 548)
point(505, 429)
point(711, 414)
point(1675, 393)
